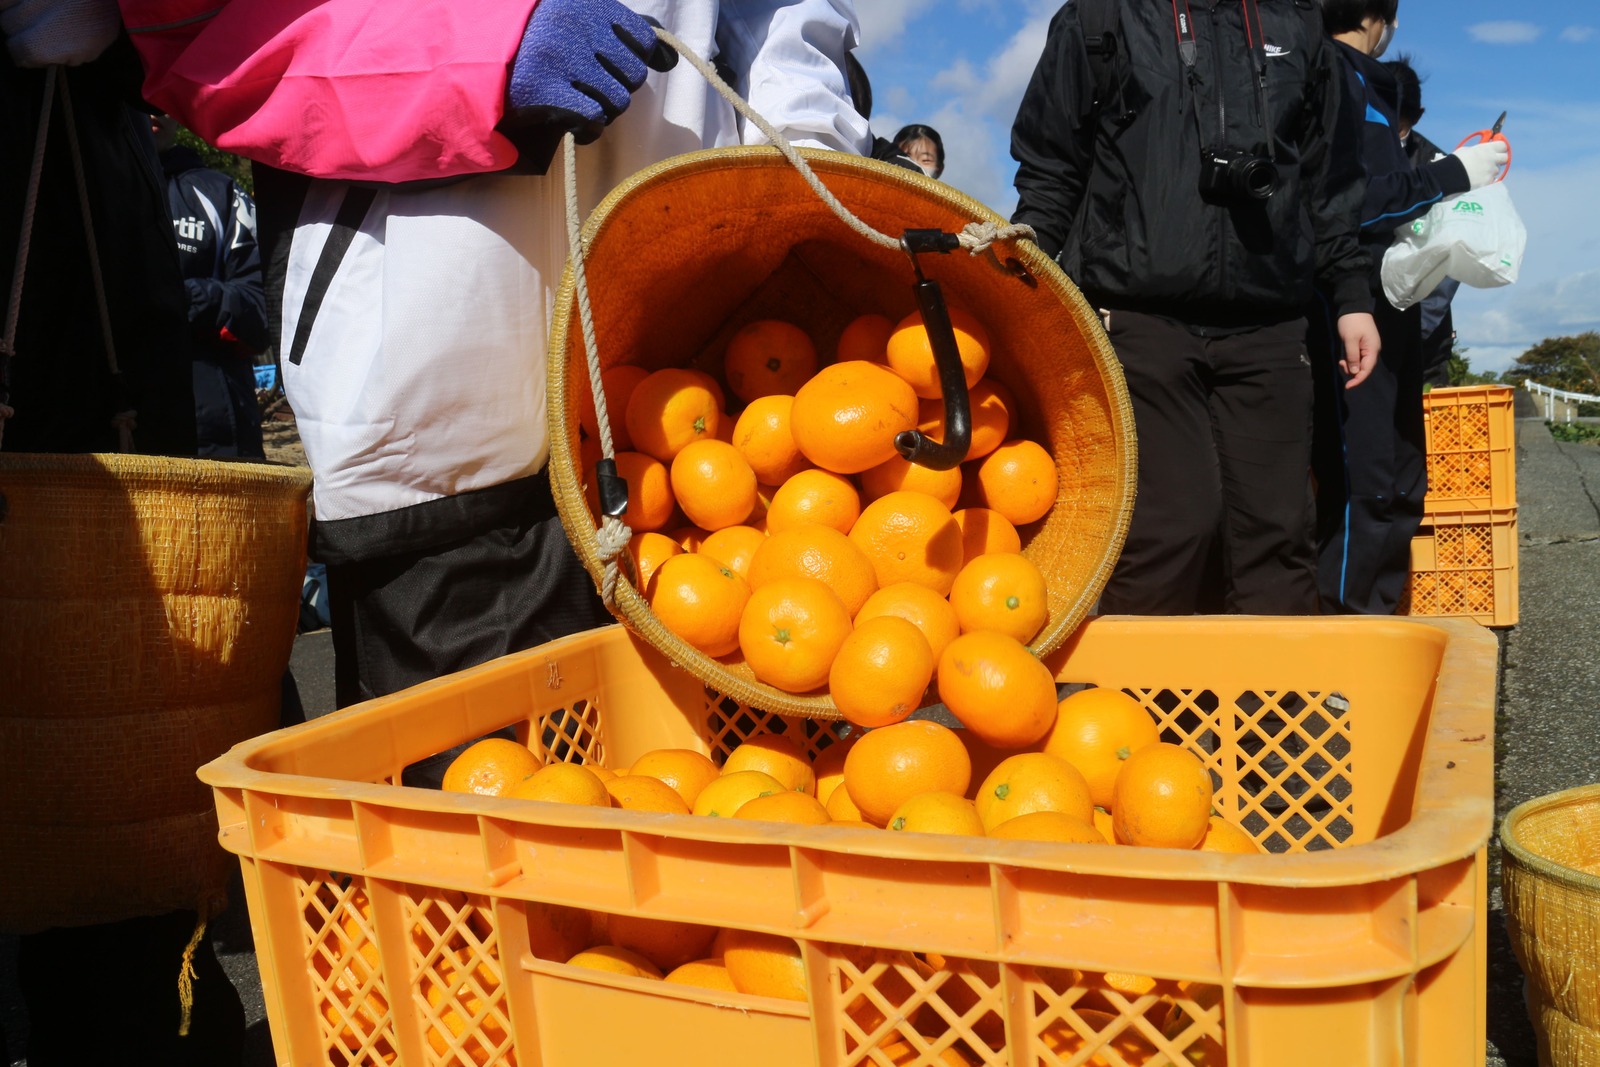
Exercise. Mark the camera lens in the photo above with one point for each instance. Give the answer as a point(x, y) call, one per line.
point(1256, 177)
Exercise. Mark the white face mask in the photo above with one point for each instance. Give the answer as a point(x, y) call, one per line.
point(1383, 40)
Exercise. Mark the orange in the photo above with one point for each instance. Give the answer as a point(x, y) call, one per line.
point(664, 942)
point(867, 337)
point(919, 605)
point(997, 688)
point(614, 960)
point(788, 806)
point(706, 974)
point(818, 552)
point(829, 767)
point(897, 473)
point(765, 439)
point(605, 774)
point(898, 1052)
point(1224, 836)
point(790, 631)
point(911, 353)
point(937, 813)
point(840, 807)
point(910, 537)
point(776, 754)
point(1032, 781)
point(490, 768)
point(989, 405)
point(768, 357)
point(556, 932)
point(1102, 822)
point(650, 501)
point(686, 771)
point(733, 547)
point(1064, 1042)
point(881, 672)
point(715, 487)
point(892, 764)
point(1018, 480)
point(764, 965)
point(1049, 826)
point(701, 601)
point(814, 496)
point(731, 792)
point(689, 538)
point(672, 408)
point(640, 792)
point(1162, 798)
point(646, 552)
point(1001, 591)
point(847, 416)
point(984, 530)
point(618, 384)
point(1095, 731)
point(564, 783)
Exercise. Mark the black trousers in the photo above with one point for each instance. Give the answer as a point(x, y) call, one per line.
point(447, 585)
point(108, 994)
point(1223, 519)
point(1372, 471)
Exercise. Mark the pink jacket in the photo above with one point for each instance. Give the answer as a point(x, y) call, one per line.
point(385, 90)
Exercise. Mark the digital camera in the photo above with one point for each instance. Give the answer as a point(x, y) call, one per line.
point(1235, 176)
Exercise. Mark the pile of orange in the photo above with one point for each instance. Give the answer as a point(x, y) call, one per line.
point(774, 522)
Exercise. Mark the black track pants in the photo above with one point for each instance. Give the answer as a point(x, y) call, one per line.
point(1223, 519)
point(1372, 471)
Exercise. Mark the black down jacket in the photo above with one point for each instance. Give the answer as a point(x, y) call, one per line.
point(1113, 187)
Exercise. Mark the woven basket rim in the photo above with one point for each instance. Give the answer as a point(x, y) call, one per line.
point(631, 606)
point(1527, 858)
point(133, 467)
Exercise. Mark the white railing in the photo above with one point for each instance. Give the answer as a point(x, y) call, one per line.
point(1568, 400)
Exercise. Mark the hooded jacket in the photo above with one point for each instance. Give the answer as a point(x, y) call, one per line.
point(1113, 186)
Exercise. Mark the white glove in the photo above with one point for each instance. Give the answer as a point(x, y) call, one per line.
point(41, 32)
point(1483, 161)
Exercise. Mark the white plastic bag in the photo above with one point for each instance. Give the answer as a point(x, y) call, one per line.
point(1476, 238)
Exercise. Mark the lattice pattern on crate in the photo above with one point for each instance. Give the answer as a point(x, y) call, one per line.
point(571, 734)
point(352, 1003)
point(1448, 593)
point(899, 1009)
point(1285, 778)
point(459, 991)
point(1468, 546)
point(730, 723)
point(1458, 427)
point(1460, 474)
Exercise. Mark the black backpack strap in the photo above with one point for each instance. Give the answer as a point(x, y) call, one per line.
point(1101, 20)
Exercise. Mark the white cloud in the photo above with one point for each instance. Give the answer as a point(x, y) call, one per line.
point(1577, 34)
point(1504, 32)
point(883, 21)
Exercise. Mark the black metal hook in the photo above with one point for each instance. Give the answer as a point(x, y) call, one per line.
point(914, 445)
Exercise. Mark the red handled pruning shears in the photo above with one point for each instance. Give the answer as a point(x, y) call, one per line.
point(1491, 134)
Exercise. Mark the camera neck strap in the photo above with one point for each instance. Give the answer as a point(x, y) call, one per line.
point(1255, 37)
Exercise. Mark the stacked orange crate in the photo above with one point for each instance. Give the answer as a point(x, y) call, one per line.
point(1464, 557)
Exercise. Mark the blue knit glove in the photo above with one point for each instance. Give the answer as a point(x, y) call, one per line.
point(579, 63)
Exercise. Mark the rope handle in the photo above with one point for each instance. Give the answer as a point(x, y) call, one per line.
point(123, 421)
point(613, 535)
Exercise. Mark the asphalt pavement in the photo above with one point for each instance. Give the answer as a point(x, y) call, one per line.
point(1548, 717)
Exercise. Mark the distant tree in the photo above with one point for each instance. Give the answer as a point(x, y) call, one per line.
point(233, 166)
point(1461, 372)
point(1571, 363)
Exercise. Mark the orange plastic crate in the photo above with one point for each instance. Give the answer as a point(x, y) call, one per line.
point(1465, 563)
point(1472, 463)
point(398, 925)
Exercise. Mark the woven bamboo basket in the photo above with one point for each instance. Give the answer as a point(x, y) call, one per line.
point(147, 610)
point(1550, 881)
point(685, 253)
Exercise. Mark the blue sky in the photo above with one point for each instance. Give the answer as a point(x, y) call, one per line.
point(961, 66)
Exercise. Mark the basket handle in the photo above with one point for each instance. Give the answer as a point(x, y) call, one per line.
point(916, 446)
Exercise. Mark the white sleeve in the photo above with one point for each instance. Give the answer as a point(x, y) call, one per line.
point(789, 56)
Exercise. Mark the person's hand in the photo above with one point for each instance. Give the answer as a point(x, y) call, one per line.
point(579, 63)
point(40, 33)
point(1484, 161)
point(1359, 332)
